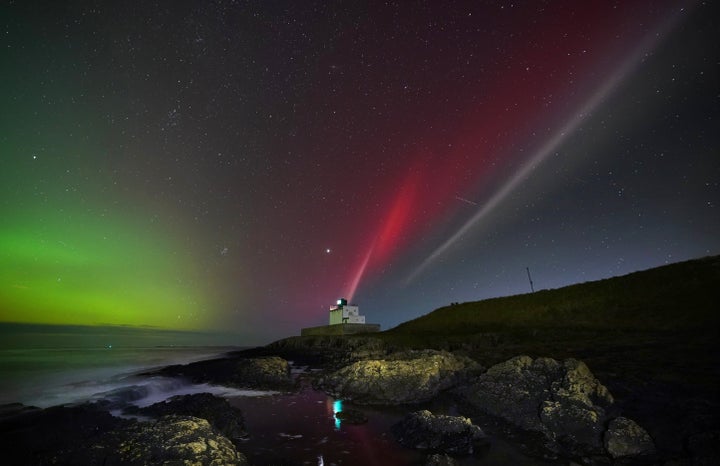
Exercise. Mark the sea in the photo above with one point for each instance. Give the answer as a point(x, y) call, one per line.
point(63, 366)
point(45, 365)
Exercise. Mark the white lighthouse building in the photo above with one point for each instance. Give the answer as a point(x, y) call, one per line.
point(344, 313)
point(345, 319)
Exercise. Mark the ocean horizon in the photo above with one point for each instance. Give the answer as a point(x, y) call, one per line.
point(47, 365)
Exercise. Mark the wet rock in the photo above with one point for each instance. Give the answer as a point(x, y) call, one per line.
point(265, 373)
point(52, 435)
point(442, 434)
point(563, 400)
point(224, 417)
point(11, 410)
point(351, 416)
point(172, 439)
point(625, 438)
point(121, 397)
point(270, 372)
point(408, 377)
point(440, 460)
point(327, 351)
point(572, 423)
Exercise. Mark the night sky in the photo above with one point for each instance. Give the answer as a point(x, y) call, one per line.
point(240, 165)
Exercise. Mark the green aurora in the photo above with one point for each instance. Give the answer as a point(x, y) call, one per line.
point(77, 245)
point(74, 268)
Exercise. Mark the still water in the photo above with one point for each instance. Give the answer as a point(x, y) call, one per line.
point(301, 429)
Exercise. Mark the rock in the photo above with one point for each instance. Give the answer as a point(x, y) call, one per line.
point(440, 460)
point(270, 372)
point(224, 417)
point(564, 400)
point(50, 436)
point(705, 448)
point(326, 351)
point(351, 416)
point(442, 434)
point(88, 435)
point(409, 377)
point(121, 397)
point(625, 438)
point(265, 373)
point(573, 423)
point(172, 439)
point(11, 410)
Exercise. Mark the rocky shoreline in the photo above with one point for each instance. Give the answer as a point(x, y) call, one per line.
point(557, 409)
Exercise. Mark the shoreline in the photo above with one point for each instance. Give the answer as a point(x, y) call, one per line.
point(317, 360)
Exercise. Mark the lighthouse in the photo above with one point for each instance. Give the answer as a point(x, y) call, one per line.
point(344, 313)
point(344, 319)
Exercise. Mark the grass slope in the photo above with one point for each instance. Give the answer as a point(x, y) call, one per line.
point(684, 296)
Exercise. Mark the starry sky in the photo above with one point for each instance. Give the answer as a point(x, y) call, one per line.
point(237, 166)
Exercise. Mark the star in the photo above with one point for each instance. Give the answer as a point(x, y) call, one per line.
point(468, 165)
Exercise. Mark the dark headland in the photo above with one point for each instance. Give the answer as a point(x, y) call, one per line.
point(618, 371)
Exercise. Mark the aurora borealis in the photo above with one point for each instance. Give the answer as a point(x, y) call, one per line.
point(237, 166)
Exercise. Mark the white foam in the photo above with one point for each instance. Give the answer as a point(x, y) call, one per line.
point(217, 390)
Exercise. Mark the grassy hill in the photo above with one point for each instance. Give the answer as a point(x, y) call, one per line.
point(683, 296)
point(652, 337)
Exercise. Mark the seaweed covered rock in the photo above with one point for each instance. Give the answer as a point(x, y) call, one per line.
point(265, 373)
point(563, 400)
point(408, 377)
point(439, 433)
point(224, 417)
point(170, 440)
point(88, 435)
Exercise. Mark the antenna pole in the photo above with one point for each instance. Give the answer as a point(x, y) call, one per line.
point(532, 288)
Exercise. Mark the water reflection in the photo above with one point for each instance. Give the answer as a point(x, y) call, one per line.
point(337, 407)
point(297, 428)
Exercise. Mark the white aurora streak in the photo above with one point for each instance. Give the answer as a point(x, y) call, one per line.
point(360, 272)
point(551, 145)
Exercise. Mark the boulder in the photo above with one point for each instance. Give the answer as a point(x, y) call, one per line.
point(265, 373)
point(625, 438)
point(572, 423)
point(563, 400)
point(88, 435)
point(323, 351)
point(439, 433)
point(351, 416)
point(408, 377)
point(224, 417)
point(172, 439)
